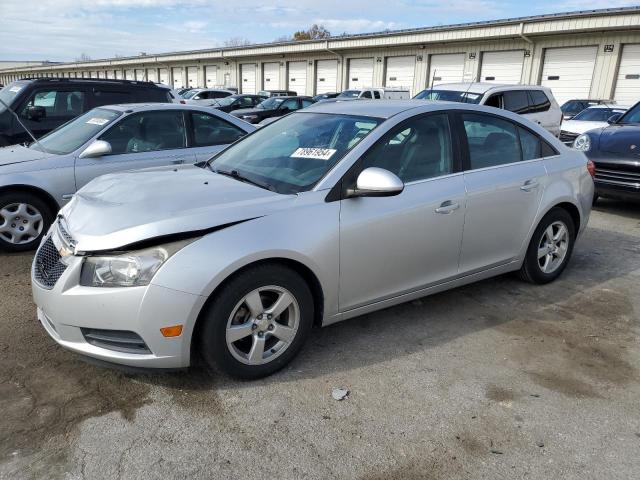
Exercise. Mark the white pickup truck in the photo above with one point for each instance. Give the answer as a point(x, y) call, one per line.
point(375, 93)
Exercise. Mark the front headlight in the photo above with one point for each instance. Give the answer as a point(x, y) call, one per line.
point(129, 269)
point(582, 143)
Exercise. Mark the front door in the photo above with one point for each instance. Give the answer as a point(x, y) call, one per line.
point(505, 179)
point(394, 245)
point(141, 140)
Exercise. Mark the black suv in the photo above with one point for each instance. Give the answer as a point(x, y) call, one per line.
point(272, 107)
point(46, 103)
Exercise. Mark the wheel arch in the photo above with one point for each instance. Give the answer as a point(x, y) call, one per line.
point(41, 193)
point(303, 270)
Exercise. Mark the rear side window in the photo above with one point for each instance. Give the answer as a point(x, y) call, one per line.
point(111, 97)
point(211, 130)
point(530, 144)
point(366, 94)
point(539, 101)
point(492, 141)
point(160, 95)
point(516, 101)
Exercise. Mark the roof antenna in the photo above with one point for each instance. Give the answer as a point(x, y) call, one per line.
point(466, 93)
point(24, 126)
point(433, 77)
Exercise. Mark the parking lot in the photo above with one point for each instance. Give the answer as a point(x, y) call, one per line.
point(499, 379)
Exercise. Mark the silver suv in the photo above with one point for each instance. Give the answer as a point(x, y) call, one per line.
point(326, 214)
point(36, 180)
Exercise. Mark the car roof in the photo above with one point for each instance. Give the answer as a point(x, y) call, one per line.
point(483, 87)
point(377, 108)
point(608, 106)
point(140, 107)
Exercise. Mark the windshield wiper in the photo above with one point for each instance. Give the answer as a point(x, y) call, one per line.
point(242, 178)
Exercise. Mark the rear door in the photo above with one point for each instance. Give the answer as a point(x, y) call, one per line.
point(505, 179)
point(141, 140)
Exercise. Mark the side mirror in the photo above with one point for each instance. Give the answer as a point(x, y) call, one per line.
point(97, 149)
point(613, 118)
point(36, 113)
point(376, 182)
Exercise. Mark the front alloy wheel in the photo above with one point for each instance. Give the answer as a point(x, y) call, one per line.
point(24, 219)
point(257, 322)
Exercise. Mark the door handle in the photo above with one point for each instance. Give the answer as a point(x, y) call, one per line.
point(178, 161)
point(447, 207)
point(529, 185)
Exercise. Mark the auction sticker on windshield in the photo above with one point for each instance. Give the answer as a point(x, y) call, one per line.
point(15, 89)
point(317, 153)
point(98, 121)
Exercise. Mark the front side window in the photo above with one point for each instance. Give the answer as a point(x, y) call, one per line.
point(294, 153)
point(632, 115)
point(416, 150)
point(516, 101)
point(366, 94)
point(271, 103)
point(72, 135)
point(307, 103)
point(211, 130)
point(56, 103)
point(291, 104)
point(492, 141)
point(147, 132)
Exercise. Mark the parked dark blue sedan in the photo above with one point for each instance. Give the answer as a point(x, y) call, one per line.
point(615, 151)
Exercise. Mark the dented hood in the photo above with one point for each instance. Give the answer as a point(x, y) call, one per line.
point(118, 210)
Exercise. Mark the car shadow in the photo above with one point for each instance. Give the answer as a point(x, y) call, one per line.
point(426, 323)
point(618, 207)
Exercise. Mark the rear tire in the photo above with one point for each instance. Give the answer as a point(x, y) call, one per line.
point(241, 337)
point(24, 219)
point(550, 248)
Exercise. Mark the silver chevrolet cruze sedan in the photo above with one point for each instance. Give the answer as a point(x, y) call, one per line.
point(326, 214)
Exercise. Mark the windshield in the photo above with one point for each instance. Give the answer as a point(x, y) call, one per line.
point(596, 114)
point(190, 94)
point(449, 96)
point(292, 154)
point(349, 94)
point(223, 102)
point(271, 103)
point(72, 135)
point(8, 93)
point(632, 115)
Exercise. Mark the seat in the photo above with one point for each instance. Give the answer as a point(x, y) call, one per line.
point(422, 156)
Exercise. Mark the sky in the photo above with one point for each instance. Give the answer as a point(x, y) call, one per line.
point(63, 30)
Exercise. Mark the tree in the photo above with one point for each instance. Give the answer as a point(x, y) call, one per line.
point(83, 57)
point(316, 32)
point(237, 42)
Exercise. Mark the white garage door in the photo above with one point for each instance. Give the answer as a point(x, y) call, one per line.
point(248, 75)
point(446, 68)
point(502, 67)
point(129, 75)
point(192, 77)
point(326, 76)
point(568, 72)
point(164, 76)
point(109, 74)
point(139, 74)
point(628, 82)
point(271, 76)
point(118, 74)
point(211, 76)
point(400, 72)
point(152, 75)
point(360, 72)
point(298, 77)
point(178, 82)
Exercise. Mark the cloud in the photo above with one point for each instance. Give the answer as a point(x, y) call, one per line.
point(355, 25)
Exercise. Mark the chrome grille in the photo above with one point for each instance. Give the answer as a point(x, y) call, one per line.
point(47, 267)
point(618, 177)
point(64, 233)
point(567, 137)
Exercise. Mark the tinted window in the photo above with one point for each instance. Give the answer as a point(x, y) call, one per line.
point(516, 101)
point(596, 114)
point(376, 95)
point(110, 97)
point(416, 150)
point(632, 115)
point(218, 94)
point(211, 130)
point(494, 101)
point(366, 94)
point(539, 101)
point(306, 103)
point(492, 141)
point(291, 104)
point(147, 132)
point(56, 103)
point(530, 144)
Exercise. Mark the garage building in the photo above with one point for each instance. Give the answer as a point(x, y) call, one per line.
point(586, 54)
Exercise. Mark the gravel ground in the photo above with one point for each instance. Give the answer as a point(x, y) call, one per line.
point(499, 379)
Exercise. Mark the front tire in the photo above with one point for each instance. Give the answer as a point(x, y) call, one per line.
point(550, 248)
point(24, 220)
point(257, 322)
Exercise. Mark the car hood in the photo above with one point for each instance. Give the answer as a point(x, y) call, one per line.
point(20, 154)
point(579, 126)
point(122, 209)
point(620, 139)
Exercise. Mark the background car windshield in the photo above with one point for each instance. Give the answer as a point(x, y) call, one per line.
point(292, 154)
point(272, 103)
point(223, 102)
point(632, 115)
point(8, 93)
point(349, 94)
point(77, 132)
point(595, 114)
point(190, 94)
point(449, 96)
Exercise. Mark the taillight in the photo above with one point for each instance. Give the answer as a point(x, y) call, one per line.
point(591, 168)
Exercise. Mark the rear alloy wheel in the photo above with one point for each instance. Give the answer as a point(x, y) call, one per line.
point(24, 219)
point(550, 248)
point(258, 322)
